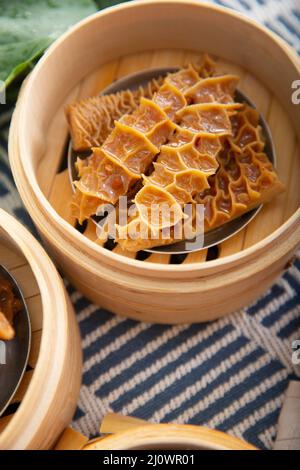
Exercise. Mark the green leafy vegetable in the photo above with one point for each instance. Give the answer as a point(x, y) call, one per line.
point(105, 3)
point(27, 27)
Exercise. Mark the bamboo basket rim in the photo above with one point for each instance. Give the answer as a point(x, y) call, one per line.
point(168, 434)
point(47, 280)
point(111, 257)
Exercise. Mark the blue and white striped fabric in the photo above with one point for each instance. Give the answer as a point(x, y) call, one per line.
point(282, 17)
point(230, 374)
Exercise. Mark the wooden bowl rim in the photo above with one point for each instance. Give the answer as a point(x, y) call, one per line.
point(51, 288)
point(24, 104)
point(168, 434)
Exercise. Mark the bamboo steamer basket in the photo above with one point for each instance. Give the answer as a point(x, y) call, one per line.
point(46, 398)
point(128, 433)
point(86, 59)
point(169, 437)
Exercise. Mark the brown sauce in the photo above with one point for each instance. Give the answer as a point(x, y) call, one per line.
point(9, 306)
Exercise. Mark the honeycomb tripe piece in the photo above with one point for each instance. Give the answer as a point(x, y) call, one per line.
point(219, 89)
point(245, 179)
point(182, 170)
point(131, 147)
point(92, 119)
point(178, 174)
point(183, 166)
point(213, 118)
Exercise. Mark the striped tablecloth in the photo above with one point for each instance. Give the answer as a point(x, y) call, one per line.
point(230, 374)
